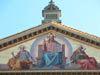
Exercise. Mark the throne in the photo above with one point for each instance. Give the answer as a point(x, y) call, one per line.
point(62, 52)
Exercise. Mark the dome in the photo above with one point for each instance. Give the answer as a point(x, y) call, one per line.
point(51, 6)
point(51, 13)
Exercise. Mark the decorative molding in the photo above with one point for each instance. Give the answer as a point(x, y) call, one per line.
point(51, 72)
point(55, 27)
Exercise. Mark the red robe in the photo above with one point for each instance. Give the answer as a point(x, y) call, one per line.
point(84, 60)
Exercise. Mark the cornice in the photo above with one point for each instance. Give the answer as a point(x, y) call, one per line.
point(47, 27)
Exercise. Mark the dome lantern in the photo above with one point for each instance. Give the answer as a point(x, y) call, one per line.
point(51, 13)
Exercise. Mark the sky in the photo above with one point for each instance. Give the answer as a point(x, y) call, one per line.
point(20, 15)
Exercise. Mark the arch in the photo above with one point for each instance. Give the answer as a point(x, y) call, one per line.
point(68, 50)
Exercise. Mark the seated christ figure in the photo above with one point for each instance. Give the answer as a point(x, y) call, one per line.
point(51, 52)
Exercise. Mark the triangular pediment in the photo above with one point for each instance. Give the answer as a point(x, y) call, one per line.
point(46, 28)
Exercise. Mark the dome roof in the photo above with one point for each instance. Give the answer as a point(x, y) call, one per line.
point(51, 6)
point(51, 13)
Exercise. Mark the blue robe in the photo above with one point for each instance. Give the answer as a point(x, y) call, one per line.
point(50, 59)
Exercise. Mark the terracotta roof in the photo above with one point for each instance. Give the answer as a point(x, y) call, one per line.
point(77, 31)
point(61, 26)
point(53, 24)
